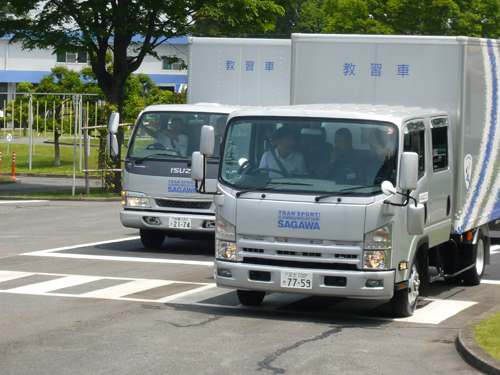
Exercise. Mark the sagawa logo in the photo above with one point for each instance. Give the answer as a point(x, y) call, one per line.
point(299, 220)
point(180, 170)
point(181, 186)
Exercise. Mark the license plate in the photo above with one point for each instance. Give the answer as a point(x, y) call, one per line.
point(179, 222)
point(296, 280)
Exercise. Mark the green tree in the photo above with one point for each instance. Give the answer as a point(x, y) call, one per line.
point(130, 29)
point(476, 18)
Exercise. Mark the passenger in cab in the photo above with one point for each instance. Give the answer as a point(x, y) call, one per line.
point(283, 159)
point(345, 165)
point(220, 126)
point(379, 167)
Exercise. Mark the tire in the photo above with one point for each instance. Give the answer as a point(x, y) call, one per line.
point(152, 239)
point(404, 302)
point(250, 297)
point(475, 274)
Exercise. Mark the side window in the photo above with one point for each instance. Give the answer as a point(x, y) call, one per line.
point(439, 144)
point(415, 142)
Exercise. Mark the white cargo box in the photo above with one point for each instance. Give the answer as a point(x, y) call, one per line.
point(459, 75)
point(237, 71)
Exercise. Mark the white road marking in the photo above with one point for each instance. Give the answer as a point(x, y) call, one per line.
point(495, 249)
point(56, 253)
point(437, 311)
point(495, 282)
point(434, 312)
point(23, 201)
point(117, 292)
point(121, 290)
point(49, 286)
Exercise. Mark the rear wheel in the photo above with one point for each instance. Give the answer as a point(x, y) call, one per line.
point(250, 297)
point(475, 274)
point(152, 239)
point(404, 302)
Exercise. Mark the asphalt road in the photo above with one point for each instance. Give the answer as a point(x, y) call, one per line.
point(79, 295)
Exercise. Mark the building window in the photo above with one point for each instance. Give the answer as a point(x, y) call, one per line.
point(168, 65)
point(72, 57)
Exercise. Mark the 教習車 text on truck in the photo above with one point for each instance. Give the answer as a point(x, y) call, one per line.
point(159, 198)
point(373, 200)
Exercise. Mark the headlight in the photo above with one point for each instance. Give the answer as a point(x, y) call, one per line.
point(225, 239)
point(224, 230)
point(377, 248)
point(225, 250)
point(131, 201)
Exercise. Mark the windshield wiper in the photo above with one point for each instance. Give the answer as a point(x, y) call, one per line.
point(139, 161)
point(269, 185)
point(343, 192)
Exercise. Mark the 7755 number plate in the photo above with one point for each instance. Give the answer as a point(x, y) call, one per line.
point(297, 280)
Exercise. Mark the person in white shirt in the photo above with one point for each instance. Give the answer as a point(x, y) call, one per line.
point(173, 138)
point(291, 161)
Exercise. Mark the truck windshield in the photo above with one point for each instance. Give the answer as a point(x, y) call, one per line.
point(173, 135)
point(315, 156)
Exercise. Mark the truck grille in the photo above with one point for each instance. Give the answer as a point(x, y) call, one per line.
point(299, 264)
point(180, 204)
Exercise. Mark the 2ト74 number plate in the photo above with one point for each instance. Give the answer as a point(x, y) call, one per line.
point(179, 222)
point(297, 280)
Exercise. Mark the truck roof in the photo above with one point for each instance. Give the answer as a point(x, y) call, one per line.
point(349, 111)
point(198, 107)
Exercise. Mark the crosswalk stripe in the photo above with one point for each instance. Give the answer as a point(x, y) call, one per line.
point(121, 290)
point(437, 311)
point(12, 275)
point(187, 293)
point(51, 285)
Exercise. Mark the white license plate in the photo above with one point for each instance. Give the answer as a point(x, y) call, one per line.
point(297, 280)
point(179, 222)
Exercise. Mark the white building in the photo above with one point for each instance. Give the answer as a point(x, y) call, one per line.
point(18, 65)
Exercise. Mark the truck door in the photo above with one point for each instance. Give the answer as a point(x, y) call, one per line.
point(438, 223)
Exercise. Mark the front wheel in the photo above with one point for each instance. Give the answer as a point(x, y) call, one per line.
point(151, 239)
point(475, 274)
point(404, 302)
point(250, 297)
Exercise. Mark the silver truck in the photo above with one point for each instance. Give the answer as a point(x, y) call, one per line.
point(373, 200)
point(158, 196)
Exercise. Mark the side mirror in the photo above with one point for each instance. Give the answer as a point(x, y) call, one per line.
point(197, 167)
point(388, 188)
point(207, 140)
point(408, 171)
point(112, 144)
point(415, 219)
point(114, 122)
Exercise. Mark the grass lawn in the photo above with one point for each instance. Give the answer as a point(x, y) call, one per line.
point(43, 157)
point(94, 193)
point(487, 335)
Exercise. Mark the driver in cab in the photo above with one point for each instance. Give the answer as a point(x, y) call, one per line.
point(171, 138)
point(283, 161)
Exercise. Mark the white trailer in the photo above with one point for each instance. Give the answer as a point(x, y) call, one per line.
point(239, 71)
point(397, 191)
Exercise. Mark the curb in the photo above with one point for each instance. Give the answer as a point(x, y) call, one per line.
point(470, 350)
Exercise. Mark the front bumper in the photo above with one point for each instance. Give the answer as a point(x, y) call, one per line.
point(200, 223)
point(355, 286)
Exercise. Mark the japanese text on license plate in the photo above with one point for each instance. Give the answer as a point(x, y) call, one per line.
point(179, 222)
point(297, 280)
